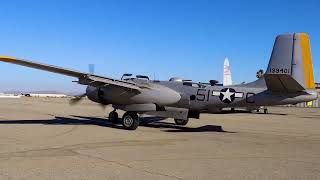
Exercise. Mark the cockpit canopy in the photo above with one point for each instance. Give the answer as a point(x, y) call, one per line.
point(126, 76)
point(176, 79)
point(142, 77)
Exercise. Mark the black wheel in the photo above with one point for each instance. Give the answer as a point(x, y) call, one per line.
point(114, 117)
point(130, 120)
point(265, 111)
point(181, 122)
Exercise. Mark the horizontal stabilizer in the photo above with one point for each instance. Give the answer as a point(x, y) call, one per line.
point(282, 83)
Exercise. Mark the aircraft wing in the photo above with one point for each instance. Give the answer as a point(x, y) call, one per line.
point(84, 78)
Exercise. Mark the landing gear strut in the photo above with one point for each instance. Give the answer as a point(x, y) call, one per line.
point(130, 120)
point(265, 109)
point(181, 122)
point(114, 117)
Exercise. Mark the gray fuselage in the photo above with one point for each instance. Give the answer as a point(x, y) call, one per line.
point(198, 97)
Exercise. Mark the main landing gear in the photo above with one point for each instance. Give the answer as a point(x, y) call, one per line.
point(265, 109)
point(114, 117)
point(130, 120)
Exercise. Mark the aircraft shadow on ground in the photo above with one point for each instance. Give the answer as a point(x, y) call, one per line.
point(151, 122)
point(248, 112)
point(233, 112)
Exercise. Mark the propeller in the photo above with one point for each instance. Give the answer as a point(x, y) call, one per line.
point(77, 99)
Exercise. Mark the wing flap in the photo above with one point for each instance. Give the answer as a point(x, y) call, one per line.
point(98, 81)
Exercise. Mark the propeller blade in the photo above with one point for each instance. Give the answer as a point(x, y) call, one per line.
point(77, 99)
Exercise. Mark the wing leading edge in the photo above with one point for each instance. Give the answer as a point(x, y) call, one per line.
point(84, 78)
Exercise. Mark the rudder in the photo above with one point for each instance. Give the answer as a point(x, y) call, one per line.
point(307, 61)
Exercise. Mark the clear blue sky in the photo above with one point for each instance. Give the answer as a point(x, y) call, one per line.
point(163, 37)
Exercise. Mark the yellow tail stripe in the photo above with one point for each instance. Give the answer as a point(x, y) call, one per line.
point(307, 61)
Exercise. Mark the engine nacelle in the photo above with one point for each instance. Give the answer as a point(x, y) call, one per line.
point(116, 95)
point(95, 94)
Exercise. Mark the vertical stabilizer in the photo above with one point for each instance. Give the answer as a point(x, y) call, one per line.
point(227, 79)
point(290, 65)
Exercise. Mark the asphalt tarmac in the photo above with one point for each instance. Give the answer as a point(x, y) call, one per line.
point(46, 138)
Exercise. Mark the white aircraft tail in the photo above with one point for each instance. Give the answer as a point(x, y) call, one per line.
point(227, 79)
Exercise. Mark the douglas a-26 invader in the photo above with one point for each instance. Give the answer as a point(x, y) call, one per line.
point(289, 79)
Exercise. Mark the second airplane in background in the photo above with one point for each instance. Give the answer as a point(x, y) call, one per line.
point(227, 77)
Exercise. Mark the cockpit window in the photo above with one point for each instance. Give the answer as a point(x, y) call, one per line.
point(142, 77)
point(128, 77)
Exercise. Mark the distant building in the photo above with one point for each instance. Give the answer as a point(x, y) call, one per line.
point(3, 95)
point(45, 95)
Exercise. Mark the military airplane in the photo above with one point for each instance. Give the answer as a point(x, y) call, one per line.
point(289, 79)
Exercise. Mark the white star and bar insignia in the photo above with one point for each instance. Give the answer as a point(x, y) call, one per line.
point(227, 95)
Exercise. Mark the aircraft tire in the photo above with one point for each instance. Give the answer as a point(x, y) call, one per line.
point(181, 122)
point(130, 121)
point(265, 111)
point(114, 117)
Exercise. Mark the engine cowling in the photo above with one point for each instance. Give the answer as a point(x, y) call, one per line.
point(95, 94)
point(158, 95)
point(115, 95)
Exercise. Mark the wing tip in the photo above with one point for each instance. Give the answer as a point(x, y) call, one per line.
point(7, 58)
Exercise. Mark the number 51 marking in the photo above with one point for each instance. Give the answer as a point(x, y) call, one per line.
point(203, 95)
